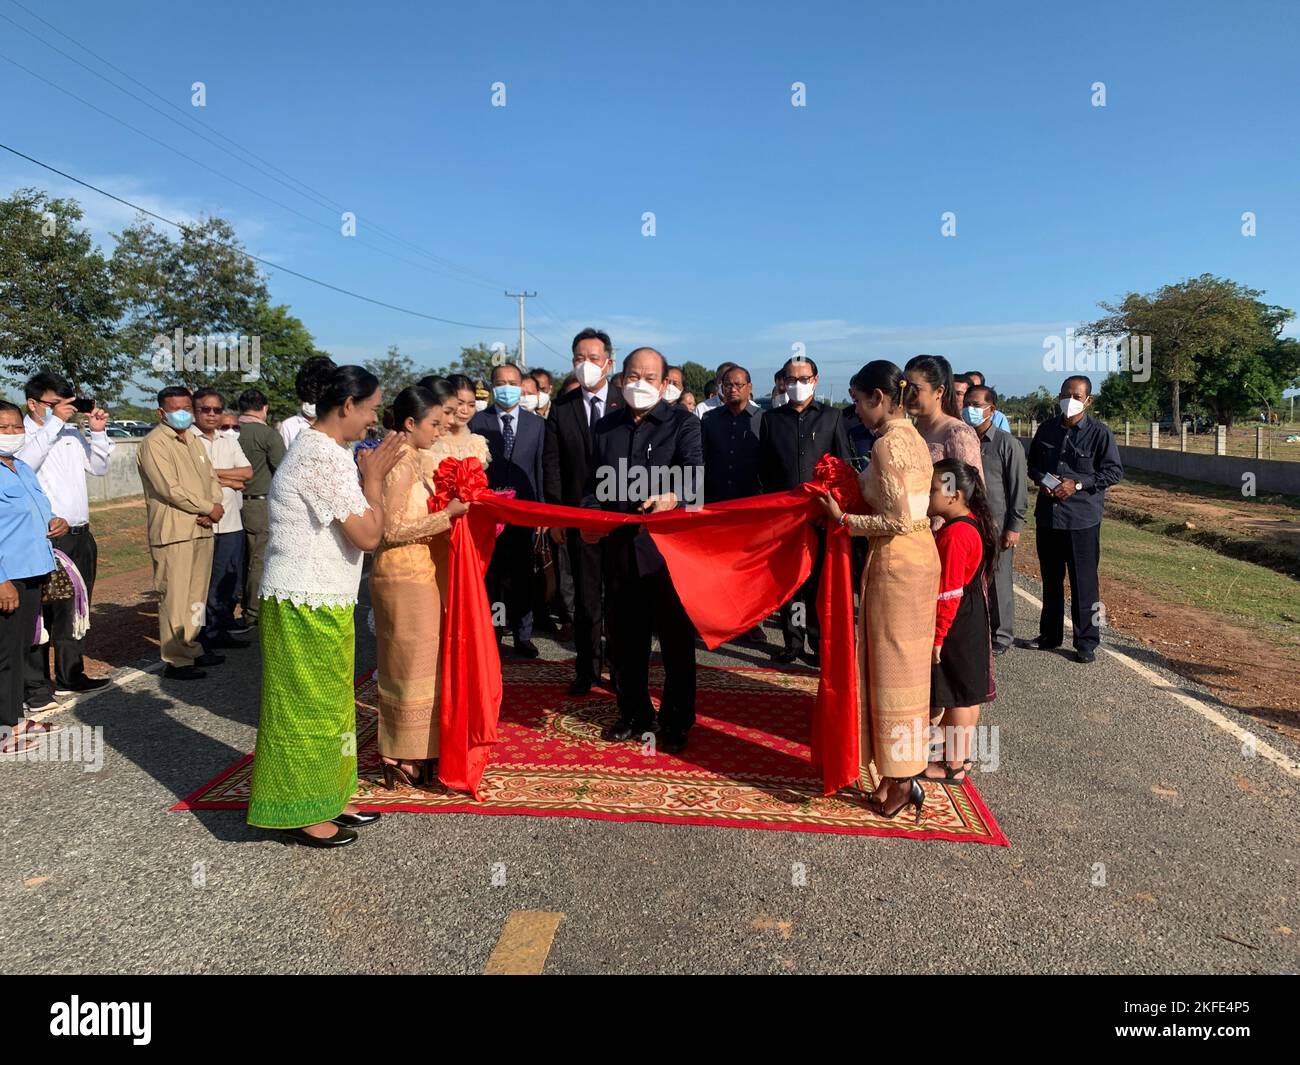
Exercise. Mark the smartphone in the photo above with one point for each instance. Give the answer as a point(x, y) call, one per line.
point(1050, 481)
point(83, 406)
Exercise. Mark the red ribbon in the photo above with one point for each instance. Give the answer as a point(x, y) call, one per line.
point(732, 564)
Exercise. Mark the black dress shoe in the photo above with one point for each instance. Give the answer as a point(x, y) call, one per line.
point(1085, 656)
point(1000, 649)
point(341, 838)
point(183, 673)
point(626, 730)
point(812, 658)
point(1039, 644)
point(82, 684)
point(526, 649)
point(239, 628)
point(355, 820)
point(673, 742)
point(209, 659)
point(785, 656)
point(226, 640)
point(580, 686)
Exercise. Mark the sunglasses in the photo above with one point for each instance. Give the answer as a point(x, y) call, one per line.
point(209, 410)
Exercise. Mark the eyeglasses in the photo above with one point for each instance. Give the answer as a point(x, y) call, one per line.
point(209, 410)
point(732, 386)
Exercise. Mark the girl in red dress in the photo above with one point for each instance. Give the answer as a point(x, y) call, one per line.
point(961, 673)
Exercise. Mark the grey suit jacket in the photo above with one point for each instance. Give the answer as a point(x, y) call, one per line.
point(1005, 478)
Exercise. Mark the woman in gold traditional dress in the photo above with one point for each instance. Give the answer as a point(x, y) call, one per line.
point(456, 442)
point(900, 585)
point(407, 589)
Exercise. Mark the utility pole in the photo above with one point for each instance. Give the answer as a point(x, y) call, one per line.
point(521, 296)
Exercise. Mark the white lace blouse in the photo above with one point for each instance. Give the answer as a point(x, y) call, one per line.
point(309, 562)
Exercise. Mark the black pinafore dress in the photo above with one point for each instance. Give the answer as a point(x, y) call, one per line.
point(962, 676)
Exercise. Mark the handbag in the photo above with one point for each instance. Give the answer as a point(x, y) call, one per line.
point(58, 585)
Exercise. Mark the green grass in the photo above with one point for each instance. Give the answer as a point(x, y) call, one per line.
point(1240, 593)
point(121, 536)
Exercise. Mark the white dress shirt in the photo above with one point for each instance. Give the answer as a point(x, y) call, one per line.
point(291, 427)
point(62, 457)
point(225, 453)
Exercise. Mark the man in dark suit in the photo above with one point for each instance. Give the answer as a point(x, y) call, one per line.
point(516, 441)
point(731, 441)
point(566, 463)
point(793, 437)
point(646, 457)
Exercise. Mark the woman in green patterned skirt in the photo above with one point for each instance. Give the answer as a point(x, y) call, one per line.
point(322, 518)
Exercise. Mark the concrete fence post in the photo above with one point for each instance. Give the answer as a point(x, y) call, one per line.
point(1128, 432)
point(1259, 441)
point(1155, 436)
point(1182, 437)
point(1220, 439)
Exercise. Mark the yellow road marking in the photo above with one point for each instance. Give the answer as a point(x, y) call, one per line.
point(524, 943)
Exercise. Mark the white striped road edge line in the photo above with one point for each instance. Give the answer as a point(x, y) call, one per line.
point(1264, 750)
point(119, 680)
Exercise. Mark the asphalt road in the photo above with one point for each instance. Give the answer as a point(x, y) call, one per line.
point(1143, 840)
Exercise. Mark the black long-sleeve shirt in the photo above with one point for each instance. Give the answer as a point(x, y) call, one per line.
point(791, 442)
point(1085, 453)
point(731, 454)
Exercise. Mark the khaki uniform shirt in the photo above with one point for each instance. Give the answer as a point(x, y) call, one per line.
point(179, 486)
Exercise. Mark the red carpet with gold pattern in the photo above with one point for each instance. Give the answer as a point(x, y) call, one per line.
point(746, 767)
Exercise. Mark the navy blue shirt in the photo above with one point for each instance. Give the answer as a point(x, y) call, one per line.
point(731, 454)
point(1085, 453)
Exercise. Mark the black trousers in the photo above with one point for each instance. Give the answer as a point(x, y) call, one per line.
point(586, 564)
point(79, 545)
point(640, 607)
point(510, 580)
point(16, 632)
point(804, 602)
point(1076, 552)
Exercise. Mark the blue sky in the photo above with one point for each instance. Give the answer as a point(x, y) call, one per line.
point(775, 225)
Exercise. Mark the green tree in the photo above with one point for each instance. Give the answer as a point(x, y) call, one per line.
point(476, 362)
point(1193, 323)
point(285, 344)
point(58, 303)
point(696, 376)
point(395, 372)
point(203, 284)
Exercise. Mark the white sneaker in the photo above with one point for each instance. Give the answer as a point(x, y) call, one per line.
point(51, 705)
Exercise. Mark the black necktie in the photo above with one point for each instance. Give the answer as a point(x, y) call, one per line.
point(507, 435)
point(595, 410)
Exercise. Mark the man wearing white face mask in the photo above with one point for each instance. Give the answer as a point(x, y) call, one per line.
point(543, 379)
point(1073, 460)
point(792, 438)
point(566, 465)
point(643, 458)
point(676, 385)
point(516, 439)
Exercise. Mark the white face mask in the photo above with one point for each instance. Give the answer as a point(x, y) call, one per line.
point(543, 400)
point(672, 393)
point(588, 374)
point(780, 399)
point(1070, 407)
point(11, 442)
point(798, 391)
point(480, 404)
point(229, 432)
point(641, 396)
point(309, 411)
point(528, 402)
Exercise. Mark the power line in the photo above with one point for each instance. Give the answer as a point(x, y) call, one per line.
point(256, 258)
point(213, 170)
point(469, 277)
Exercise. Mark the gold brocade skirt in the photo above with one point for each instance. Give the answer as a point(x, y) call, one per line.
point(407, 589)
point(900, 587)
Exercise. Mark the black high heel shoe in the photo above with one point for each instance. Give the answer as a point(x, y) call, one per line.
point(394, 775)
point(341, 838)
point(915, 797)
point(347, 820)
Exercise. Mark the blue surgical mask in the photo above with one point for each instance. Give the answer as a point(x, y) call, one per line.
point(507, 395)
point(973, 415)
point(180, 420)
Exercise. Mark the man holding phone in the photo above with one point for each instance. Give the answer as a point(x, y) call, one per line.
point(62, 456)
point(1073, 460)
